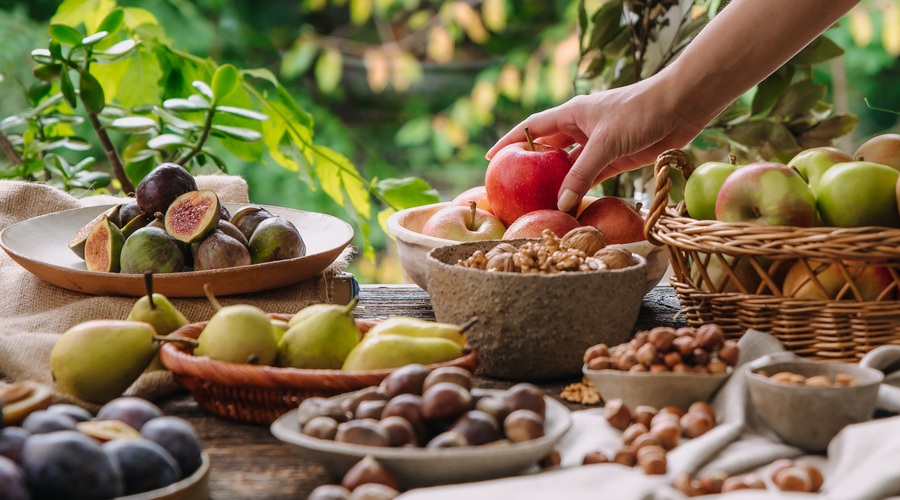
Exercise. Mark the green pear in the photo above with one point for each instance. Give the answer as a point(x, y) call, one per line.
point(238, 334)
point(281, 327)
point(322, 338)
point(415, 327)
point(316, 309)
point(156, 309)
point(97, 360)
point(387, 351)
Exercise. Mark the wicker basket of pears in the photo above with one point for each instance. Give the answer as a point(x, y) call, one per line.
point(247, 365)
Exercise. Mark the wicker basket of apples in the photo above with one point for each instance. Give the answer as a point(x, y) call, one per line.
point(808, 251)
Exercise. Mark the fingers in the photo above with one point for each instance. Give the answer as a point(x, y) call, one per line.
point(590, 161)
point(555, 124)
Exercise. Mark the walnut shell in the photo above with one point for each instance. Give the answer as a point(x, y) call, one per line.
point(615, 258)
point(502, 262)
point(588, 239)
point(501, 248)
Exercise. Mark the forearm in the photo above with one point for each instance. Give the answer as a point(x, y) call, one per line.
point(740, 47)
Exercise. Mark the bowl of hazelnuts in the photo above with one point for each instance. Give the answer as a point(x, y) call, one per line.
point(806, 403)
point(663, 366)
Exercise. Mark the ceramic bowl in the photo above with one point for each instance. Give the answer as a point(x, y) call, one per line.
point(412, 246)
point(809, 417)
point(655, 389)
point(533, 326)
point(417, 467)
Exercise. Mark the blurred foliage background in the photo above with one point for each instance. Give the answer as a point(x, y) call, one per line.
point(422, 88)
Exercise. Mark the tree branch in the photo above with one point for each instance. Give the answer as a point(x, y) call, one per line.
point(114, 161)
point(9, 150)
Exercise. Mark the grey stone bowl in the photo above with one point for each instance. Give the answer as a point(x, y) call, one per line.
point(533, 326)
point(655, 389)
point(809, 417)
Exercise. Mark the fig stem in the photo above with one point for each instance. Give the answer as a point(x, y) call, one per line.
point(529, 138)
point(162, 338)
point(148, 286)
point(468, 324)
point(212, 298)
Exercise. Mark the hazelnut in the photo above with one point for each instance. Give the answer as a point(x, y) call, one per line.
point(638, 368)
point(626, 361)
point(703, 406)
point(552, 460)
point(730, 353)
point(733, 483)
point(753, 482)
point(699, 357)
point(600, 363)
point(695, 424)
point(671, 359)
point(625, 457)
point(643, 414)
point(684, 345)
point(711, 482)
point(653, 465)
point(844, 379)
point(587, 239)
point(640, 338)
point(647, 354)
point(815, 475)
point(659, 368)
point(661, 417)
point(596, 351)
point(648, 450)
point(673, 410)
point(717, 366)
point(667, 432)
point(632, 432)
point(681, 368)
point(818, 381)
point(642, 441)
point(686, 485)
point(595, 457)
point(617, 414)
point(662, 337)
point(710, 337)
point(685, 331)
point(793, 479)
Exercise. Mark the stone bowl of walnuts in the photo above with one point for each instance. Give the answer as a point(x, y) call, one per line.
point(663, 366)
point(539, 302)
point(806, 403)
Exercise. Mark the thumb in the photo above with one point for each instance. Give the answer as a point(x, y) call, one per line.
point(581, 176)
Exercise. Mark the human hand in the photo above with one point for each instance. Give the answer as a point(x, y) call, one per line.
point(612, 132)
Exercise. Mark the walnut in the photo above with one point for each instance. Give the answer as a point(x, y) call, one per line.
point(588, 239)
point(501, 248)
point(581, 392)
point(502, 262)
point(477, 260)
point(615, 258)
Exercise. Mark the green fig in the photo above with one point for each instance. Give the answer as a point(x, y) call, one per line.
point(238, 334)
point(98, 359)
point(321, 339)
point(103, 247)
point(76, 244)
point(151, 250)
point(275, 239)
point(193, 215)
point(247, 218)
point(219, 251)
point(388, 351)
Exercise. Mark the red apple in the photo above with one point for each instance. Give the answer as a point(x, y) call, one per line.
point(478, 194)
point(585, 202)
point(524, 177)
point(766, 193)
point(618, 219)
point(464, 224)
point(871, 281)
point(532, 224)
point(883, 149)
point(812, 163)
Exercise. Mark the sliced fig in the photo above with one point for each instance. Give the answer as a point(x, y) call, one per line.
point(103, 247)
point(193, 215)
point(247, 218)
point(76, 244)
point(232, 230)
point(274, 239)
point(159, 188)
point(127, 212)
point(224, 214)
point(219, 251)
point(134, 224)
point(151, 250)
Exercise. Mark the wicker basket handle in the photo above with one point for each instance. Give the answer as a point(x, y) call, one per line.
point(673, 157)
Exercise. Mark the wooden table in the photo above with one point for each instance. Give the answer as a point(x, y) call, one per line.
point(248, 462)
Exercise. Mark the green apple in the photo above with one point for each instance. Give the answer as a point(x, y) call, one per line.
point(812, 163)
point(858, 193)
point(883, 149)
point(766, 193)
point(703, 186)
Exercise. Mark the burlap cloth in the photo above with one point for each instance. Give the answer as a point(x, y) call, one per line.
point(861, 461)
point(34, 313)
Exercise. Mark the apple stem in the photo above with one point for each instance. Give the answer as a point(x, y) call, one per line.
point(733, 159)
point(529, 138)
point(212, 298)
point(472, 211)
point(148, 285)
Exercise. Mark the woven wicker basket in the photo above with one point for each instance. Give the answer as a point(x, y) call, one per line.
point(261, 394)
point(734, 274)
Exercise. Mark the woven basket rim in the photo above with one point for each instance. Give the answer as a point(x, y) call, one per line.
point(180, 360)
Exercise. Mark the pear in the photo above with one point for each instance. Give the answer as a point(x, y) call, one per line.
point(415, 327)
point(387, 351)
point(97, 360)
point(239, 334)
point(321, 338)
point(281, 327)
point(156, 309)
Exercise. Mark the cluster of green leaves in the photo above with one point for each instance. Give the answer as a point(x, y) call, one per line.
point(624, 41)
point(148, 102)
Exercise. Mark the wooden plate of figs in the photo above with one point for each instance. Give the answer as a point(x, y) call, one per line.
point(41, 246)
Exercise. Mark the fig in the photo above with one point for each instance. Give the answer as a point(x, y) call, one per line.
point(220, 251)
point(127, 212)
point(193, 215)
point(275, 239)
point(103, 247)
point(76, 244)
point(232, 230)
point(134, 224)
point(247, 218)
point(159, 188)
point(151, 250)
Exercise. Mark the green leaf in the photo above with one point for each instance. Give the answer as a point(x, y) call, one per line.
point(799, 98)
point(243, 113)
point(334, 172)
point(238, 133)
point(91, 93)
point(68, 89)
point(165, 142)
point(70, 143)
point(133, 124)
point(298, 58)
point(92, 39)
point(328, 70)
point(65, 34)
point(773, 139)
point(42, 56)
point(90, 180)
point(47, 72)
point(117, 51)
point(175, 121)
point(179, 104)
point(56, 51)
point(84, 164)
point(607, 25)
point(406, 192)
point(770, 89)
point(224, 81)
point(204, 89)
point(824, 132)
point(820, 50)
point(414, 132)
point(293, 111)
point(113, 21)
point(38, 91)
point(89, 12)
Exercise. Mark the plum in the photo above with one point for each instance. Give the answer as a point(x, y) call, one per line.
point(145, 465)
point(131, 410)
point(12, 439)
point(179, 438)
point(12, 481)
point(43, 421)
point(67, 465)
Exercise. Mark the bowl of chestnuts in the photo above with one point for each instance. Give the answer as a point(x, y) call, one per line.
point(539, 302)
point(663, 366)
point(806, 403)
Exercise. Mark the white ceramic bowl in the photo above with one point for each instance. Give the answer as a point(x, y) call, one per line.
point(412, 246)
point(655, 389)
point(417, 467)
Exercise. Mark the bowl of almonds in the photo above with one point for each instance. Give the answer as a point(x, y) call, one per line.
point(540, 302)
point(806, 403)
